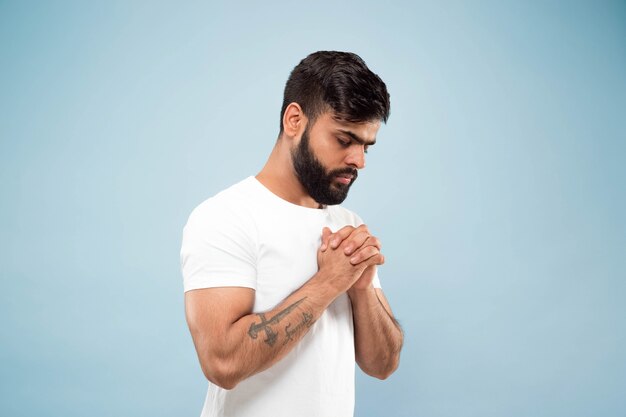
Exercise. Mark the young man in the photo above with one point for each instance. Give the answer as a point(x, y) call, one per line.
point(281, 289)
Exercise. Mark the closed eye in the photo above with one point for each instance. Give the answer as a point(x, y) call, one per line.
point(343, 142)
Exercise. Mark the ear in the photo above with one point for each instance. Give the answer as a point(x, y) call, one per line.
point(294, 120)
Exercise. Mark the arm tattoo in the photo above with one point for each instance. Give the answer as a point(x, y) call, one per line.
point(307, 321)
point(265, 324)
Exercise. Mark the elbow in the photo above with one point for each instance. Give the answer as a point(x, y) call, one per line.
point(382, 368)
point(222, 381)
point(386, 371)
point(226, 384)
point(220, 374)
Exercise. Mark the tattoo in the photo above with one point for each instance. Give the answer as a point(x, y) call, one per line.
point(265, 324)
point(307, 321)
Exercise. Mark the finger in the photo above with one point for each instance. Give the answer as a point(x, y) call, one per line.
point(373, 241)
point(378, 259)
point(355, 241)
point(364, 254)
point(359, 240)
point(350, 233)
point(326, 234)
point(375, 260)
point(340, 235)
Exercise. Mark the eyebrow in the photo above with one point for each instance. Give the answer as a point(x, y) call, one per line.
point(356, 138)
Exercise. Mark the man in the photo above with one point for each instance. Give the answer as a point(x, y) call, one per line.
point(279, 306)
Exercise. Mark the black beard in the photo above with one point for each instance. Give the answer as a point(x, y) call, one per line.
point(320, 185)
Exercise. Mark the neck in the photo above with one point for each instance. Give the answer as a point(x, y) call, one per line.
point(279, 177)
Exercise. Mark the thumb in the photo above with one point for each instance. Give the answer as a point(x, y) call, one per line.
point(326, 233)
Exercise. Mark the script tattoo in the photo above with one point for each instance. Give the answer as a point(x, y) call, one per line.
point(265, 324)
point(307, 321)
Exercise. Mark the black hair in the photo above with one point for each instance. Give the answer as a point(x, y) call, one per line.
point(339, 82)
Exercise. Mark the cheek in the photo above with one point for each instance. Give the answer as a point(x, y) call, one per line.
point(329, 152)
point(333, 156)
point(326, 146)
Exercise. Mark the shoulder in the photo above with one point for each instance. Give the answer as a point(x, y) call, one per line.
point(219, 242)
point(230, 208)
point(231, 202)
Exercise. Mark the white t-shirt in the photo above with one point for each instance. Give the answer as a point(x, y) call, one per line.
point(246, 236)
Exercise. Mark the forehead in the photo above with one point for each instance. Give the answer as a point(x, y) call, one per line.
point(364, 130)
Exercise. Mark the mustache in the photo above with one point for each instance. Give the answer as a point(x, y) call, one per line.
point(350, 171)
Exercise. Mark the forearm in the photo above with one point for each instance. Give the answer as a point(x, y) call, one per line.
point(257, 341)
point(377, 335)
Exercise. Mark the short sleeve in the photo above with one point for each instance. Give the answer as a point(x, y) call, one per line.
point(218, 248)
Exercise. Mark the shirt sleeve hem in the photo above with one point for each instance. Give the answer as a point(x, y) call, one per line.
point(218, 282)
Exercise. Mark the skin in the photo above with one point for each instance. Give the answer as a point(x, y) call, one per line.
point(232, 342)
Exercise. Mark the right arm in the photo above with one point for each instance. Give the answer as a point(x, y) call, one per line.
point(233, 343)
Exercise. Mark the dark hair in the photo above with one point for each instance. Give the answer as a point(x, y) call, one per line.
point(336, 81)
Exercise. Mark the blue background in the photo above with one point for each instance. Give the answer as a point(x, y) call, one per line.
point(497, 189)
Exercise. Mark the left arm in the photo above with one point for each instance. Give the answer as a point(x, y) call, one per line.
point(378, 337)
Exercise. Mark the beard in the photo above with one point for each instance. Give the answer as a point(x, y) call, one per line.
point(320, 184)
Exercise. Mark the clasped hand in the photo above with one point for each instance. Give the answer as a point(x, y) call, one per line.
point(350, 255)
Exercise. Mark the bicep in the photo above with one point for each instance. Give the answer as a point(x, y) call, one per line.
point(210, 312)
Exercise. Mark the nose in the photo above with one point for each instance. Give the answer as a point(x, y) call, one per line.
point(356, 157)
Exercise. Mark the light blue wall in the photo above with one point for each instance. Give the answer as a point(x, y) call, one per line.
point(497, 188)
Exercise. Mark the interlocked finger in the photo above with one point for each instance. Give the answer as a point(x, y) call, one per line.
point(360, 240)
point(364, 254)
